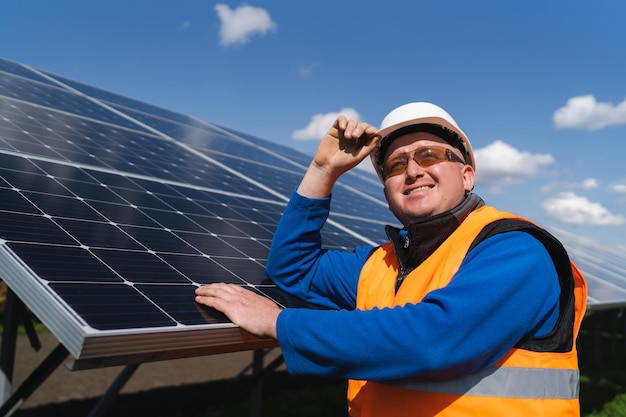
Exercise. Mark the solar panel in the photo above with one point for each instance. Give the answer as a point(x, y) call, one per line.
point(113, 211)
point(603, 266)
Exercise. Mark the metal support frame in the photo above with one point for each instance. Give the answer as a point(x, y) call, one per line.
point(15, 311)
point(34, 380)
point(259, 371)
point(9, 338)
point(256, 396)
point(113, 390)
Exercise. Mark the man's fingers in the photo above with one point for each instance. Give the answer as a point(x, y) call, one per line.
point(220, 291)
point(218, 287)
point(341, 123)
point(243, 307)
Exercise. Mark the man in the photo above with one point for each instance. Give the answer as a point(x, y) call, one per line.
point(466, 311)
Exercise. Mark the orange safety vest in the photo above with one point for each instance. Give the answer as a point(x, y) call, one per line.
point(527, 381)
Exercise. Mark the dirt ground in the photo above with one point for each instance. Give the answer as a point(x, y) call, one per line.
point(176, 387)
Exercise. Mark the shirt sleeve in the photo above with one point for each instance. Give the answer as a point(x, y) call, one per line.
point(506, 288)
point(298, 264)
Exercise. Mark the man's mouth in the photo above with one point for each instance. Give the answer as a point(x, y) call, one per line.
point(422, 188)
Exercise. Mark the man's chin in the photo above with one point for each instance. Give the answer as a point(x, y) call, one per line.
point(415, 214)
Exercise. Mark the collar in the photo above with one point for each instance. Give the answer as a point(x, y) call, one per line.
point(420, 238)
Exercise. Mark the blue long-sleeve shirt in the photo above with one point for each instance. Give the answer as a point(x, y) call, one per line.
point(505, 289)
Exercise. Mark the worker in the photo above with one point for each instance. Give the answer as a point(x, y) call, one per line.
point(466, 310)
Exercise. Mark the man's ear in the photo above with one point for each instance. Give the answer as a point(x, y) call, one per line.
point(469, 176)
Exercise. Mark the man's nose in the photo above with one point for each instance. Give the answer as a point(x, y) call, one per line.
point(413, 169)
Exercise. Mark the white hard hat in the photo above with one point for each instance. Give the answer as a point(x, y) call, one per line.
point(420, 117)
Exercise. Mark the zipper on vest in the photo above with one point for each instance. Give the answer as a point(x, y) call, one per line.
point(401, 276)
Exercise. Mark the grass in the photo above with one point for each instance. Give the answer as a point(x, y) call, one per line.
point(602, 353)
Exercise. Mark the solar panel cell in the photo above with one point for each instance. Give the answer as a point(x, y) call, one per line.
point(202, 269)
point(15, 201)
point(112, 306)
point(140, 267)
point(24, 227)
point(176, 301)
point(63, 263)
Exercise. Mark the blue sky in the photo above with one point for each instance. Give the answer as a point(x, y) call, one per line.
point(538, 86)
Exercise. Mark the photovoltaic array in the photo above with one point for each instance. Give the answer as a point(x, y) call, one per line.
point(112, 211)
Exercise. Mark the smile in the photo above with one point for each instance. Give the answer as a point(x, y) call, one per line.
point(422, 188)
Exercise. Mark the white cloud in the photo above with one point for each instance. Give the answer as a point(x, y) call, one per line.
point(499, 163)
point(320, 123)
point(586, 184)
point(584, 112)
point(239, 24)
point(574, 209)
point(185, 25)
point(589, 184)
point(619, 188)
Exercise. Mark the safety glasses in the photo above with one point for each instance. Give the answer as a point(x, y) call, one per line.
point(424, 157)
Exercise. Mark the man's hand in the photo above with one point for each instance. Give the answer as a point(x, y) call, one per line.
point(343, 147)
point(248, 310)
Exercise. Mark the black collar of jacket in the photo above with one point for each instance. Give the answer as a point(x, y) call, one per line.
point(423, 236)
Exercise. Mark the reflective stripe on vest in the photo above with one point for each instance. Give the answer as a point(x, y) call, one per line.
point(504, 382)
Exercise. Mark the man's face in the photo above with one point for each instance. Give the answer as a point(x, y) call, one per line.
point(420, 192)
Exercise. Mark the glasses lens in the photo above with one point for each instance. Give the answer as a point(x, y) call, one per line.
point(424, 157)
